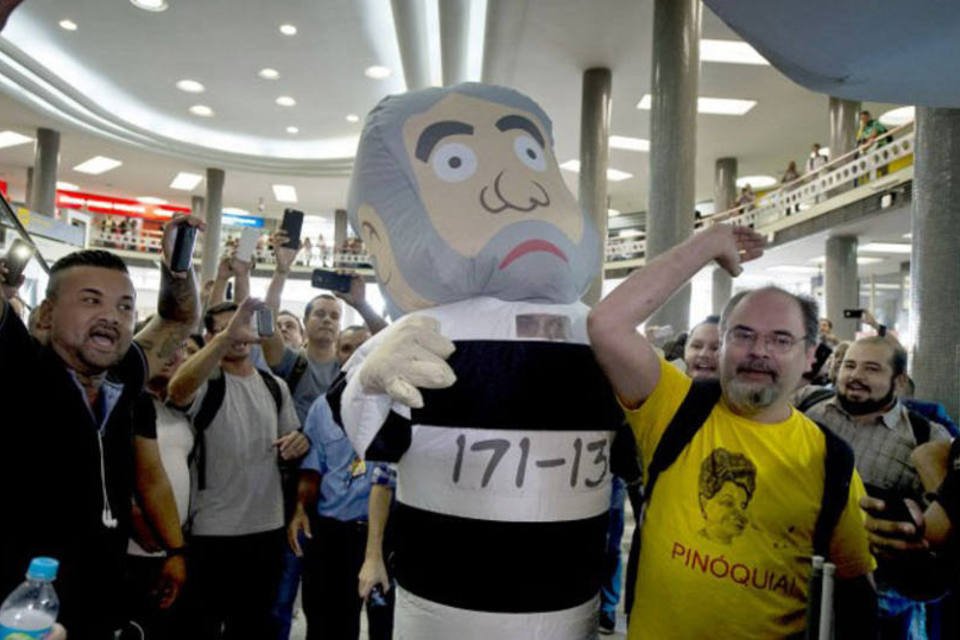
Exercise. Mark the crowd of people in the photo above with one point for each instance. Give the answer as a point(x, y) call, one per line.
point(187, 478)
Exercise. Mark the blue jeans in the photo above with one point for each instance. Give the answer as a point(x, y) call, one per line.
point(904, 619)
point(612, 566)
point(282, 610)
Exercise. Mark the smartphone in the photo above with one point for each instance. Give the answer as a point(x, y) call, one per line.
point(895, 507)
point(16, 260)
point(853, 313)
point(183, 248)
point(265, 324)
point(331, 280)
point(376, 597)
point(248, 243)
point(292, 223)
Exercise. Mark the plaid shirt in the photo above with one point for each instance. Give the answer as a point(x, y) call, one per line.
point(881, 448)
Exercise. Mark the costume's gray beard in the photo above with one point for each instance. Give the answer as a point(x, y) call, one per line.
point(750, 397)
point(440, 274)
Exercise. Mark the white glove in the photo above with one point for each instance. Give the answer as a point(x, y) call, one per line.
point(412, 354)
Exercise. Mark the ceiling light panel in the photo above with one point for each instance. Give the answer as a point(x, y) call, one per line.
point(67, 186)
point(377, 72)
point(97, 165)
point(288, 29)
point(353, 118)
point(150, 5)
point(268, 74)
point(186, 181)
point(286, 101)
point(885, 247)
point(293, 130)
point(284, 193)
point(201, 110)
point(716, 106)
point(629, 144)
point(730, 51)
point(190, 86)
point(68, 25)
point(12, 139)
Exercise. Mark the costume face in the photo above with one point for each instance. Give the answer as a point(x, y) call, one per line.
point(756, 375)
point(865, 382)
point(701, 352)
point(90, 318)
point(477, 206)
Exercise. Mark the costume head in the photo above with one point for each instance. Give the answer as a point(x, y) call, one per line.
point(456, 194)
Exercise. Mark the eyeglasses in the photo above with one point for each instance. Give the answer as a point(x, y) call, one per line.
point(780, 343)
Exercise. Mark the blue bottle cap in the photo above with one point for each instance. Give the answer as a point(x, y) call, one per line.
point(43, 569)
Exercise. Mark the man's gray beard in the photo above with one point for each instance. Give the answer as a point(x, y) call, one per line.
point(750, 398)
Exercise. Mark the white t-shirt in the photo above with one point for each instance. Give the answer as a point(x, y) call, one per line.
point(175, 440)
point(243, 493)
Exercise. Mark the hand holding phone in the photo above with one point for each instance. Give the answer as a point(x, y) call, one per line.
point(247, 244)
point(331, 280)
point(182, 256)
point(16, 261)
point(265, 323)
point(853, 313)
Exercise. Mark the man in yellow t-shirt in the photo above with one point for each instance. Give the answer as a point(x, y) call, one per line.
point(728, 531)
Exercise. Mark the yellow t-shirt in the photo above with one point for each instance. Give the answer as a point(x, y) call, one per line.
point(728, 534)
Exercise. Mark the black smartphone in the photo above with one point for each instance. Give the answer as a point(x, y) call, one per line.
point(265, 324)
point(377, 597)
point(895, 507)
point(853, 313)
point(16, 260)
point(292, 223)
point(182, 256)
point(331, 280)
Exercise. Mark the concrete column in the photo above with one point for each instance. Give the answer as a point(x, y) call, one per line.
point(454, 38)
point(213, 217)
point(673, 139)
point(28, 203)
point(340, 225)
point(594, 159)
point(841, 286)
point(43, 190)
point(722, 289)
point(724, 195)
point(844, 121)
point(935, 262)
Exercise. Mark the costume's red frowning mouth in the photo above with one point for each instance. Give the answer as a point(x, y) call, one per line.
point(531, 246)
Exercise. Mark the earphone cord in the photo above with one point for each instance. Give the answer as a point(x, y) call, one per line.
point(107, 516)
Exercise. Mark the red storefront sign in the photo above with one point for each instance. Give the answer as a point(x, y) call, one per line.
point(113, 205)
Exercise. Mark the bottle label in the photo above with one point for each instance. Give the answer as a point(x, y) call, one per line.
point(6, 633)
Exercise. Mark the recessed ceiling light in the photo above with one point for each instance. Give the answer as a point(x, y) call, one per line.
point(67, 186)
point(717, 106)
point(97, 165)
point(377, 72)
point(268, 74)
point(288, 30)
point(68, 25)
point(629, 144)
point(897, 117)
point(201, 110)
point(190, 86)
point(186, 181)
point(150, 5)
point(12, 139)
point(732, 51)
point(613, 175)
point(151, 200)
point(284, 193)
point(285, 101)
point(352, 117)
point(293, 130)
point(757, 182)
point(885, 247)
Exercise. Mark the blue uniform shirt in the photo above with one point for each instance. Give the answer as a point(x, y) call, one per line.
point(346, 480)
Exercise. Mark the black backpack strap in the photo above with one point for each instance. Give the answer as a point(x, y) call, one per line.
point(273, 387)
point(299, 368)
point(690, 416)
point(209, 406)
point(921, 427)
point(838, 474)
point(815, 397)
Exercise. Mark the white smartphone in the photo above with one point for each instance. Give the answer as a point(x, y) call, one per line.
point(248, 243)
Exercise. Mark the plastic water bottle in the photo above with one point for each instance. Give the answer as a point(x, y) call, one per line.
point(31, 609)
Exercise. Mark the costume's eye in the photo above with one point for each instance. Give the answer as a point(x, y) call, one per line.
point(454, 162)
point(530, 153)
